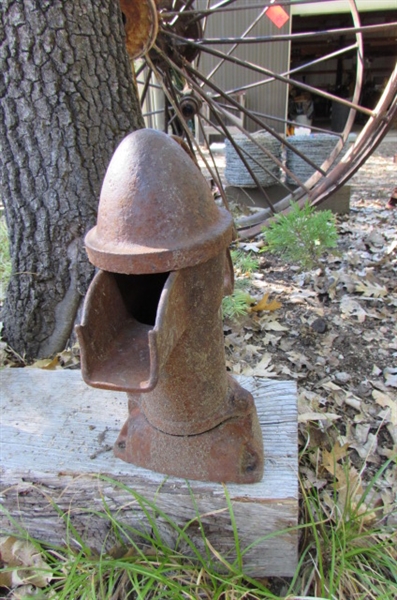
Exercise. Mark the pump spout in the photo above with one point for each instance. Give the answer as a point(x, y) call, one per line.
point(129, 327)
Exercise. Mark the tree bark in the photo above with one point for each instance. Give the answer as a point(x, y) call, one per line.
point(67, 98)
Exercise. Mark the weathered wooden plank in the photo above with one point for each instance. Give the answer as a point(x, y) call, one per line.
point(56, 448)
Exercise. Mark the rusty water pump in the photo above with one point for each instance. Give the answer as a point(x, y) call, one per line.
point(152, 325)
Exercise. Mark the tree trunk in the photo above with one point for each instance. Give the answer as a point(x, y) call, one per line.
point(67, 98)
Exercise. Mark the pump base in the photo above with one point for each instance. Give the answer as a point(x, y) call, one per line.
point(230, 452)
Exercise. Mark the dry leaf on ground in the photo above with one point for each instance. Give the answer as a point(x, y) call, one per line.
point(27, 566)
point(266, 304)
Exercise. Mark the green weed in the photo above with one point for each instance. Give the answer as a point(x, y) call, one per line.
point(302, 235)
point(348, 552)
point(237, 304)
point(244, 262)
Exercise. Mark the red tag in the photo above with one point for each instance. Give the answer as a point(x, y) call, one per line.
point(277, 15)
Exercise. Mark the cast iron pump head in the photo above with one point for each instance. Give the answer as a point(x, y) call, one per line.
point(151, 324)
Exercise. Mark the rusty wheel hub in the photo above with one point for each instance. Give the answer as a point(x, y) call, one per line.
point(146, 24)
point(141, 25)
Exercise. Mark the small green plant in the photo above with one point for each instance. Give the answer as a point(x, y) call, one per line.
point(302, 235)
point(238, 303)
point(244, 262)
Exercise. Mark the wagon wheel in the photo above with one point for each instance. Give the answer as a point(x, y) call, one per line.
point(196, 81)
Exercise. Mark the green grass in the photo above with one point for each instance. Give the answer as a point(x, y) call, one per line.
point(141, 565)
point(346, 554)
point(346, 557)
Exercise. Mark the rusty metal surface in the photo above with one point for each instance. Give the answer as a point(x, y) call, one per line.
point(141, 25)
point(152, 325)
point(231, 452)
point(156, 211)
point(184, 26)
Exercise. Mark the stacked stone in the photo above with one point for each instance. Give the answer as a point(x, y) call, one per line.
point(263, 166)
point(317, 147)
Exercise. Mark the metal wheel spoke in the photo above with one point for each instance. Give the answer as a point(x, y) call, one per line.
point(204, 95)
point(268, 116)
point(217, 108)
point(184, 9)
point(214, 173)
point(284, 79)
point(252, 116)
point(146, 86)
point(296, 83)
point(140, 69)
point(228, 8)
point(232, 49)
point(291, 37)
point(223, 130)
point(311, 63)
point(152, 86)
point(218, 178)
point(225, 7)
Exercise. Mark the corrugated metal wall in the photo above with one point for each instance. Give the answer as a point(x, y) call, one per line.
point(269, 98)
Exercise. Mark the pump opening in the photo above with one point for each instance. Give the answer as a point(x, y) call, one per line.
point(120, 314)
point(141, 294)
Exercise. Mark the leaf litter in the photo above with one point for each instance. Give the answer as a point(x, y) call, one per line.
point(334, 331)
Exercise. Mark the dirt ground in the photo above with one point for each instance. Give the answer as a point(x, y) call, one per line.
point(336, 335)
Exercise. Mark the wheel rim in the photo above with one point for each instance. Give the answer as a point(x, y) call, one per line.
point(186, 65)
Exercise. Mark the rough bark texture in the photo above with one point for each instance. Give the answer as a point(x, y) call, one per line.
point(66, 100)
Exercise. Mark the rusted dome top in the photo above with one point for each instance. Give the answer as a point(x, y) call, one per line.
point(156, 212)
